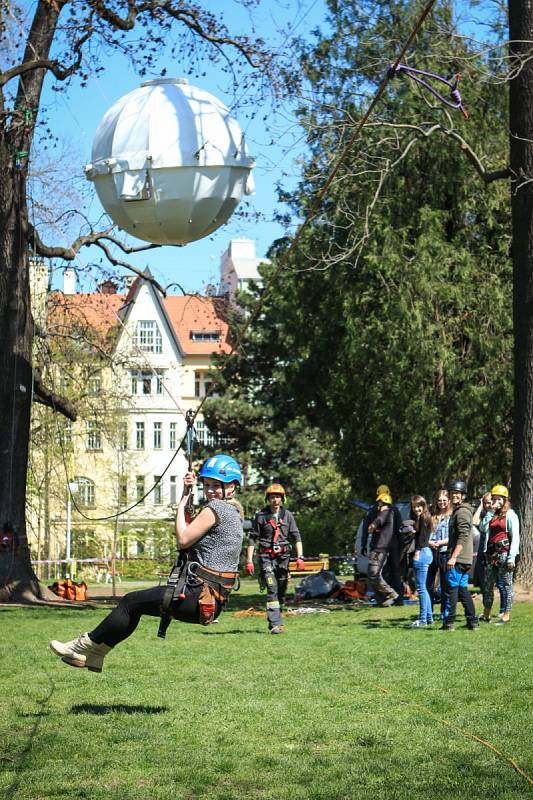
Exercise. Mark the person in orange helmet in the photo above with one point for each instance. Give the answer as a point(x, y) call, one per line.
point(272, 529)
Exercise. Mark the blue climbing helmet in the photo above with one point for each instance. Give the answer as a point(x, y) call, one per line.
point(221, 468)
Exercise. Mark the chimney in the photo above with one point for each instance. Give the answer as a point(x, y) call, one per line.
point(108, 287)
point(39, 280)
point(69, 281)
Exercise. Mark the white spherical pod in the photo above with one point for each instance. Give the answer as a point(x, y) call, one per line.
point(169, 162)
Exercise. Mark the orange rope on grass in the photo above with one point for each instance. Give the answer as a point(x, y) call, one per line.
point(454, 727)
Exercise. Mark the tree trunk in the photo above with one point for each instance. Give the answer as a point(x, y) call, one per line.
point(17, 578)
point(521, 145)
point(18, 581)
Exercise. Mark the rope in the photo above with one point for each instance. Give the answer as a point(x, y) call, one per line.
point(139, 500)
point(456, 728)
point(285, 256)
point(453, 86)
point(312, 213)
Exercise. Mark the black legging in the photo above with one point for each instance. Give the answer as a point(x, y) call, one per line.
point(124, 618)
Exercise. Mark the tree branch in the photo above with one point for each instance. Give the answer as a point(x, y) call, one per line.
point(96, 239)
point(61, 73)
point(190, 17)
point(48, 398)
point(471, 155)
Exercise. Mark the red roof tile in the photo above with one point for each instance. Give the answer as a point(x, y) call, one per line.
point(188, 315)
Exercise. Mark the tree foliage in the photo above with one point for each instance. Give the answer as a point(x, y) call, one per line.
point(396, 303)
point(384, 347)
point(57, 42)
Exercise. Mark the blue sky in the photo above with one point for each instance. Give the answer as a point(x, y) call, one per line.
point(77, 113)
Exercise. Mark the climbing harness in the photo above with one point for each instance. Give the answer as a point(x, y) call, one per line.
point(276, 550)
point(418, 75)
point(216, 586)
point(277, 531)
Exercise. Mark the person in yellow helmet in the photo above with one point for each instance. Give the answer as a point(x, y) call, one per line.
point(502, 546)
point(382, 532)
point(272, 529)
point(393, 564)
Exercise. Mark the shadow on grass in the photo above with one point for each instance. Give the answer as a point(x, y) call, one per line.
point(232, 633)
point(116, 708)
point(22, 759)
point(381, 624)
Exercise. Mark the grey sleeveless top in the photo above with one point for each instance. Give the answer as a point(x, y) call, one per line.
point(220, 547)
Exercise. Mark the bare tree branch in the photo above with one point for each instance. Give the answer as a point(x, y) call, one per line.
point(486, 175)
point(48, 398)
point(97, 239)
point(61, 73)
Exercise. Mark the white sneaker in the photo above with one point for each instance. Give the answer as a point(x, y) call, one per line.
point(81, 652)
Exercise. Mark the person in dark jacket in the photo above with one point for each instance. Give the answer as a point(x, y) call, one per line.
point(460, 557)
point(272, 529)
point(393, 568)
point(382, 531)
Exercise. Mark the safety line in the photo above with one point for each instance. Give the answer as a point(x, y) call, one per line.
point(312, 213)
point(285, 256)
point(139, 500)
point(138, 352)
point(455, 727)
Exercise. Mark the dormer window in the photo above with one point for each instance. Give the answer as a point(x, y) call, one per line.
point(148, 336)
point(206, 336)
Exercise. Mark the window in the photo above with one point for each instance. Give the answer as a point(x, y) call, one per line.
point(207, 438)
point(86, 494)
point(123, 491)
point(148, 336)
point(139, 435)
point(160, 377)
point(206, 336)
point(173, 490)
point(139, 489)
point(157, 435)
point(173, 430)
point(202, 382)
point(94, 383)
point(141, 381)
point(122, 436)
point(93, 436)
point(158, 490)
point(65, 433)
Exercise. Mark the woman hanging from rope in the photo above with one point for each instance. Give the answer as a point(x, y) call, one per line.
point(201, 582)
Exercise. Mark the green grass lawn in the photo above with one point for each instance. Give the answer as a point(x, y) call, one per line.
point(230, 712)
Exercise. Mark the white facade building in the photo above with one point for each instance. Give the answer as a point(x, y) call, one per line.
point(239, 266)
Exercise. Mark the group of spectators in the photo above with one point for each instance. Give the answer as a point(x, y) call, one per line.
point(438, 540)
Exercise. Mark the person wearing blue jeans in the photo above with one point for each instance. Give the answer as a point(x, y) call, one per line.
point(460, 557)
point(422, 558)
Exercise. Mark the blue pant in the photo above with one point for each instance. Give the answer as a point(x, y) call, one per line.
point(457, 589)
point(421, 566)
